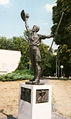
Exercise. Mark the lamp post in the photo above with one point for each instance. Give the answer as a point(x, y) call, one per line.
point(56, 65)
point(61, 69)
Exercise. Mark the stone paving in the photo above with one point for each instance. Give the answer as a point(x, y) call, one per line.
point(56, 115)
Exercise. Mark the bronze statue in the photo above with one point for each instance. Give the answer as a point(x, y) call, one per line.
point(34, 42)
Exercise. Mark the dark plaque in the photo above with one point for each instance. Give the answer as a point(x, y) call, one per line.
point(42, 95)
point(26, 94)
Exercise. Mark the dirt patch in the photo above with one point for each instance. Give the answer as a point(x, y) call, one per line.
point(9, 96)
point(61, 93)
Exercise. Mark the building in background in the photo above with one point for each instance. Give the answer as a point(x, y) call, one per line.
point(9, 61)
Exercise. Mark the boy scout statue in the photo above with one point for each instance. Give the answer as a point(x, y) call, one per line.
point(34, 42)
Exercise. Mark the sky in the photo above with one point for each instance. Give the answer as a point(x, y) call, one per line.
point(40, 12)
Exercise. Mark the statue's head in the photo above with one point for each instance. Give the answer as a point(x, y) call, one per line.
point(35, 28)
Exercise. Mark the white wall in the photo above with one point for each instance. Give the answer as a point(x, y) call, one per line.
point(9, 60)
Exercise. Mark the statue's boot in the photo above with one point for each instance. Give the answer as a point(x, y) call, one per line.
point(33, 82)
point(32, 79)
point(36, 81)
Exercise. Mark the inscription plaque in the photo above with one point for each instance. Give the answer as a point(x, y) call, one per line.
point(42, 96)
point(26, 94)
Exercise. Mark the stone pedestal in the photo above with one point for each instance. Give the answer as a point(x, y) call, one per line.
point(34, 102)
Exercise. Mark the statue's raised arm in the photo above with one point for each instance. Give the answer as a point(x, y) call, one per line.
point(25, 17)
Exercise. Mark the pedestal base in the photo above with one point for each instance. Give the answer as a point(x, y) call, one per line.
point(33, 83)
point(35, 102)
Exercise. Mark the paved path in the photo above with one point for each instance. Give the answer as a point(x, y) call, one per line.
point(56, 115)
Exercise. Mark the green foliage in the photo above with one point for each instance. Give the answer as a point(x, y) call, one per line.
point(6, 43)
point(47, 62)
point(64, 32)
point(63, 38)
point(17, 75)
point(22, 45)
point(65, 54)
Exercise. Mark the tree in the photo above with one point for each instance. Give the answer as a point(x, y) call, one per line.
point(47, 61)
point(21, 44)
point(63, 38)
point(6, 43)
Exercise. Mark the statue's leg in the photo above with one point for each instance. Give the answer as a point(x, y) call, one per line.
point(37, 64)
point(33, 62)
point(34, 68)
point(38, 72)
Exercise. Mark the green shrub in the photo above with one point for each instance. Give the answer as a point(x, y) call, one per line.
point(17, 75)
